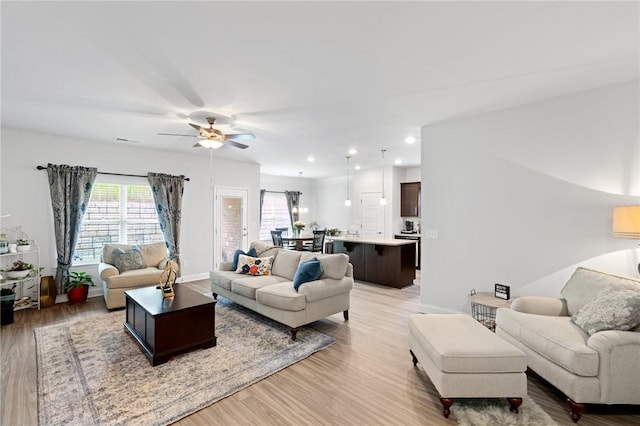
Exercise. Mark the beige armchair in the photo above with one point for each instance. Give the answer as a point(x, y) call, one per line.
point(128, 266)
point(599, 365)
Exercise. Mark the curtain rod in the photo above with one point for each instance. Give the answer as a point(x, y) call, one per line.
point(280, 192)
point(112, 174)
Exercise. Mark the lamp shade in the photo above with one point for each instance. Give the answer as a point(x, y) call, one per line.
point(210, 143)
point(626, 222)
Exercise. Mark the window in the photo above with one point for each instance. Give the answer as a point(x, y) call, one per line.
point(274, 214)
point(117, 214)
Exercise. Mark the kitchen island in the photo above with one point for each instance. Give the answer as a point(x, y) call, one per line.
point(384, 261)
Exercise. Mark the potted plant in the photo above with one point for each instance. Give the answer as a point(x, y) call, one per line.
point(19, 269)
point(7, 299)
point(332, 232)
point(77, 287)
point(23, 245)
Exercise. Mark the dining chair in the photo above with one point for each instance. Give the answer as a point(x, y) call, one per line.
point(285, 232)
point(276, 237)
point(318, 241)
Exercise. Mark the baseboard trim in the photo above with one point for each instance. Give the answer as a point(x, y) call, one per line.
point(194, 277)
point(431, 309)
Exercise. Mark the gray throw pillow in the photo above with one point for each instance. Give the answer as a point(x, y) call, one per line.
point(128, 260)
point(611, 309)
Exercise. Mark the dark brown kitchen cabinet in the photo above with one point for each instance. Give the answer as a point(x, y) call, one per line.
point(410, 199)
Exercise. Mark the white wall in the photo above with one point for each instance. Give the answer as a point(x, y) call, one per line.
point(523, 196)
point(329, 195)
point(25, 192)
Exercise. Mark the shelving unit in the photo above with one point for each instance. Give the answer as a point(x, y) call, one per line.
point(28, 286)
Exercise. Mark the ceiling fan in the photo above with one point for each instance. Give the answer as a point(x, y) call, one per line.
point(214, 138)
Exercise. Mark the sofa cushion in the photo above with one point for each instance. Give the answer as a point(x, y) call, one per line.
point(309, 270)
point(135, 278)
point(251, 252)
point(254, 265)
point(609, 310)
point(555, 338)
point(265, 250)
point(247, 286)
point(585, 284)
point(333, 265)
point(128, 260)
point(281, 296)
point(286, 264)
point(223, 278)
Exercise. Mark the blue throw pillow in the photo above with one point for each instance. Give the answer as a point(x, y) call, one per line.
point(252, 252)
point(309, 270)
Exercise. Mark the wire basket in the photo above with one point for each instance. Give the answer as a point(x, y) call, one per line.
point(485, 315)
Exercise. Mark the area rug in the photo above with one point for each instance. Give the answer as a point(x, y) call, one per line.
point(492, 412)
point(93, 373)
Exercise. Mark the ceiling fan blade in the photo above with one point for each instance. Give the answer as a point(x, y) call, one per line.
point(240, 136)
point(177, 134)
point(197, 145)
point(236, 144)
point(195, 126)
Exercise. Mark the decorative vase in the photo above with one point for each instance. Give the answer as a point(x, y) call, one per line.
point(23, 248)
point(48, 292)
point(296, 233)
point(78, 294)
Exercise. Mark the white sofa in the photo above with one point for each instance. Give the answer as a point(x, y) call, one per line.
point(274, 295)
point(115, 282)
point(600, 367)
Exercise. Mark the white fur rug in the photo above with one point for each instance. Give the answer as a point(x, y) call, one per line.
point(495, 412)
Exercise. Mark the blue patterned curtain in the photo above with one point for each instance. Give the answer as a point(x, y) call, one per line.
point(262, 192)
point(293, 200)
point(70, 189)
point(167, 193)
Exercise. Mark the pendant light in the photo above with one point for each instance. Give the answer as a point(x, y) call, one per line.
point(383, 201)
point(347, 201)
point(300, 209)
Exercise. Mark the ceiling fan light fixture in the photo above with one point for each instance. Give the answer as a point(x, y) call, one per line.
point(211, 143)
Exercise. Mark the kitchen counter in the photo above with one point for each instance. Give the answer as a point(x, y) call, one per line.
point(384, 261)
point(373, 240)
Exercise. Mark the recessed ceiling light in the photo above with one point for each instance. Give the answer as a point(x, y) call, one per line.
point(410, 140)
point(397, 161)
point(353, 151)
point(311, 159)
point(357, 167)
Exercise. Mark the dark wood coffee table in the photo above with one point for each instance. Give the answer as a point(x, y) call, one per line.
point(167, 327)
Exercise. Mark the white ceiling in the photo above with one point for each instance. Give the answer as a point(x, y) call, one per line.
point(307, 78)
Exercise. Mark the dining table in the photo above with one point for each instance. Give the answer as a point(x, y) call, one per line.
point(297, 242)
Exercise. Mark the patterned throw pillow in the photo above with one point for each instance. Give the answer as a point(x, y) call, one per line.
point(236, 256)
point(615, 309)
point(254, 265)
point(128, 260)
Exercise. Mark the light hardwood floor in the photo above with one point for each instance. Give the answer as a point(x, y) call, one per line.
point(366, 378)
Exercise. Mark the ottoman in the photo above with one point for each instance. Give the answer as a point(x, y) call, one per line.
point(464, 359)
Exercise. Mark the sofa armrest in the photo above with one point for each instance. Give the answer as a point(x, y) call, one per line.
point(619, 369)
point(326, 287)
point(608, 340)
point(549, 306)
point(107, 270)
point(226, 266)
